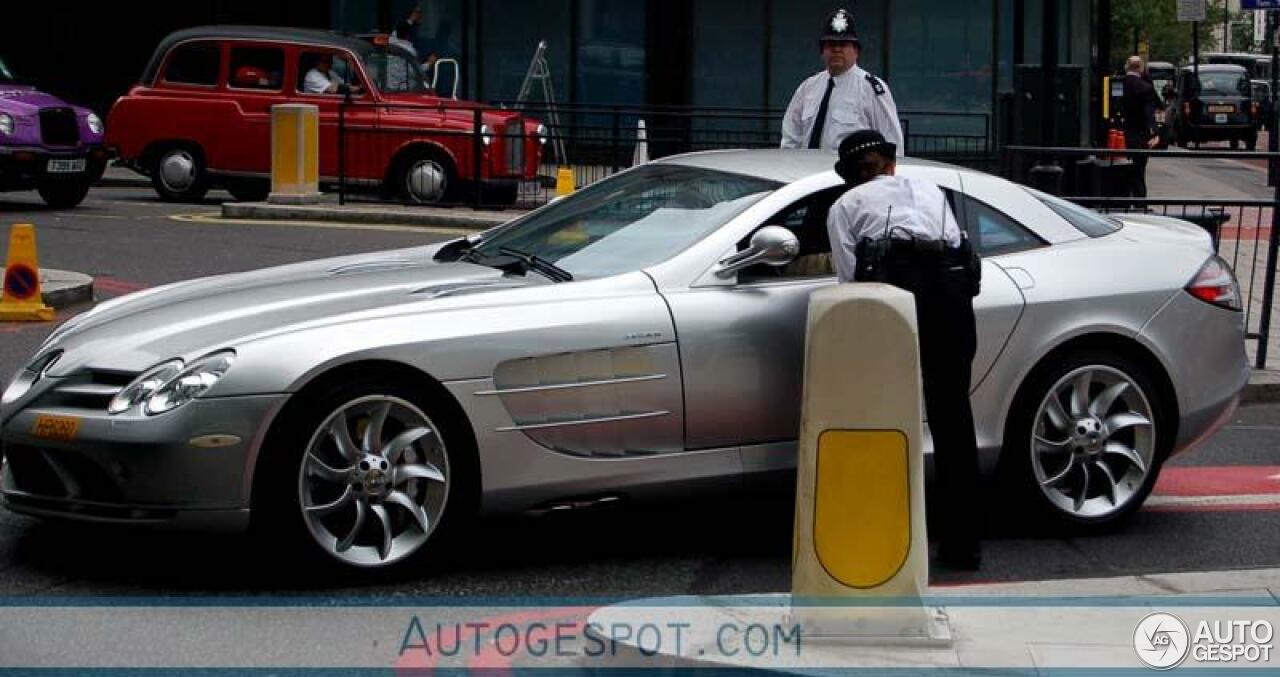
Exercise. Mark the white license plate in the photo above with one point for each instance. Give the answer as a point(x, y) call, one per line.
point(65, 166)
point(1220, 118)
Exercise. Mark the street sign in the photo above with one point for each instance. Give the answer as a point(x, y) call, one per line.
point(1259, 4)
point(1191, 10)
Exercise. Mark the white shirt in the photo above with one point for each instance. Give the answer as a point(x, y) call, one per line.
point(919, 210)
point(854, 105)
point(318, 83)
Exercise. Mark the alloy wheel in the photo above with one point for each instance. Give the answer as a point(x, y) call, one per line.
point(1093, 442)
point(374, 481)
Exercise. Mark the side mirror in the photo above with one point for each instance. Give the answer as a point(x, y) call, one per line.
point(771, 245)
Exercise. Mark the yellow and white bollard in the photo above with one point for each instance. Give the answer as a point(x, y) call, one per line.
point(860, 516)
point(295, 154)
point(565, 183)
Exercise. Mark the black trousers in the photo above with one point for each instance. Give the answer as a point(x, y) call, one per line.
point(1137, 140)
point(948, 342)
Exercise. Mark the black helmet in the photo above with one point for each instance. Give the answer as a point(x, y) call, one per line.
point(839, 28)
point(856, 145)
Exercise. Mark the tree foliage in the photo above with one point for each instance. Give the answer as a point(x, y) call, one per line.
point(1154, 24)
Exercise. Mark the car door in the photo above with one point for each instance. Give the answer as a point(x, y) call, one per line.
point(360, 114)
point(255, 83)
point(742, 345)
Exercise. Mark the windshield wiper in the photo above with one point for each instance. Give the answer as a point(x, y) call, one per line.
point(548, 269)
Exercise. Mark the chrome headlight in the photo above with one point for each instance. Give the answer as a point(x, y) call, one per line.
point(95, 123)
point(191, 383)
point(144, 387)
point(31, 375)
point(486, 134)
point(6, 124)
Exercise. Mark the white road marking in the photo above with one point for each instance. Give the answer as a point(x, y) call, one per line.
point(1212, 501)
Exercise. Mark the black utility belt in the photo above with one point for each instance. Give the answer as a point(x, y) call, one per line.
point(937, 250)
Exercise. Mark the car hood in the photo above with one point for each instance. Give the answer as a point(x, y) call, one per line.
point(188, 318)
point(20, 100)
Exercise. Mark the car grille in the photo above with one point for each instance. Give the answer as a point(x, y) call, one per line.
point(59, 474)
point(513, 143)
point(91, 390)
point(59, 127)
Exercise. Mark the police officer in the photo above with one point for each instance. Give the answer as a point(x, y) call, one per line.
point(841, 99)
point(901, 231)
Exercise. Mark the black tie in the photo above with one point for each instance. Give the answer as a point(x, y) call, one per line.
point(815, 137)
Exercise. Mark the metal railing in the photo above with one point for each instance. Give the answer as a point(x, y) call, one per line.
point(1245, 232)
point(592, 141)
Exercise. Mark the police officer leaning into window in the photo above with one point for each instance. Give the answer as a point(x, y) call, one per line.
point(901, 231)
point(841, 99)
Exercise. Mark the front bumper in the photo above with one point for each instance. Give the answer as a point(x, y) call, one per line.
point(140, 470)
point(25, 167)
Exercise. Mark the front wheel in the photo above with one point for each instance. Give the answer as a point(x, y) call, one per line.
point(63, 194)
point(365, 474)
point(1251, 141)
point(1086, 439)
point(423, 177)
point(179, 175)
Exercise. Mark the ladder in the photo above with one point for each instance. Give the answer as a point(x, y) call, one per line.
point(540, 71)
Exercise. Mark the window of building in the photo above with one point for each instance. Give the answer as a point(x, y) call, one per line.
point(611, 52)
point(941, 60)
point(509, 33)
point(195, 63)
point(256, 68)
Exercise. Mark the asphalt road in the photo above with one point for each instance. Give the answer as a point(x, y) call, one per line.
point(721, 544)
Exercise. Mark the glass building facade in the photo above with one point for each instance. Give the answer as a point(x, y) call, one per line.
point(938, 56)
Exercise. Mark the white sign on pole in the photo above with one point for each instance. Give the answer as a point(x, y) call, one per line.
point(1191, 10)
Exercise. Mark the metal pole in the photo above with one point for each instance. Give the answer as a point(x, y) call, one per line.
point(1049, 61)
point(1195, 49)
point(1273, 142)
point(342, 153)
point(477, 155)
point(1268, 292)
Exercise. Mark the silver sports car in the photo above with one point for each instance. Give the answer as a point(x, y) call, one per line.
point(639, 338)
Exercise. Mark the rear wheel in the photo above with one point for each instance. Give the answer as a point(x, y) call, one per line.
point(63, 194)
point(1251, 141)
point(365, 474)
point(179, 175)
point(1086, 439)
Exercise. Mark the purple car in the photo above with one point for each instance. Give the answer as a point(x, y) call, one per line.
point(46, 144)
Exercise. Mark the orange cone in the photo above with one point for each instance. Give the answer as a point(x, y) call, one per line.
point(1115, 141)
point(20, 299)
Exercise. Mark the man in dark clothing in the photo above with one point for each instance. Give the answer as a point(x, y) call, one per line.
point(1139, 110)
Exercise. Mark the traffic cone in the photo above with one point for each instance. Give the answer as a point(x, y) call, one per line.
point(20, 299)
point(1115, 141)
point(564, 182)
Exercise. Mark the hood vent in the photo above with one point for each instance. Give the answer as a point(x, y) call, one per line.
point(375, 266)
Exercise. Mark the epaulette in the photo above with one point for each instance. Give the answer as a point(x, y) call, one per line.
point(876, 85)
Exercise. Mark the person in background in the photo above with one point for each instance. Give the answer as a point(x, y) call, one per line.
point(1138, 108)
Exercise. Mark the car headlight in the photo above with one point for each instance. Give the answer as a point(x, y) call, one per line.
point(190, 383)
point(143, 387)
point(541, 131)
point(95, 123)
point(6, 124)
point(31, 375)
point(486, 134)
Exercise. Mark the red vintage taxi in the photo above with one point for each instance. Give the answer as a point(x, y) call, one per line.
point(201, 118)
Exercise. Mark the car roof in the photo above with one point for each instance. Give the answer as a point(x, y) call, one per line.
point(1221, 67)
point(306, 36)
point(785, 165)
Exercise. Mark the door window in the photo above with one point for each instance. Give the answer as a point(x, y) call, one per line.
point(325, 73)
point(256, 68)
point(995, 232)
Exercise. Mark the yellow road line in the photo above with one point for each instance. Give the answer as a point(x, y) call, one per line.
point(214, 219)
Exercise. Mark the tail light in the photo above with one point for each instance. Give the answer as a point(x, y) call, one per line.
point(1253, 109)
point(1216, 284)
point(1186, 109)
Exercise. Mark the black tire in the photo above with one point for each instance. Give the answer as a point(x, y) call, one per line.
point(248, 190)
point(1251, 141)
point(277, 513)
point(63, 194)
point(192, 190)
point(1017, 468)
point(402, 186)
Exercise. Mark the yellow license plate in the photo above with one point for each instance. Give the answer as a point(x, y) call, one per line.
point(1222, 109)
point(60, 428)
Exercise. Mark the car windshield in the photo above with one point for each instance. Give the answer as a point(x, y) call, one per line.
point(5, 75)
point(630, 221)
point(393, 71)
point(1085, 220)
point(1224, 84)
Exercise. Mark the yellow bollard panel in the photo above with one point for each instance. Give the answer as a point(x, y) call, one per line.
point(20, 299)
point(564, 182)
point(860, 528)
point(295, 154)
